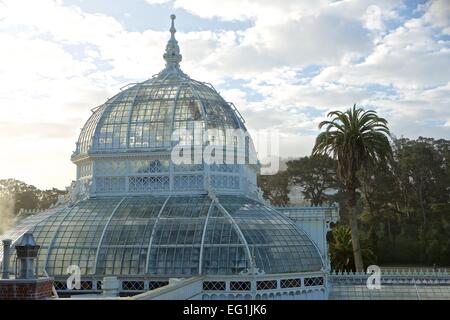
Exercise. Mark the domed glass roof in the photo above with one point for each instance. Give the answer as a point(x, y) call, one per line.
point(141, 215)
point(174, 236)
point(169, 134)
point(144, 115)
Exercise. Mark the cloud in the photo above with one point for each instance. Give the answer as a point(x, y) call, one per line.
point(438, 15)
point(268, 12)
point(293, 34)
point(407, 57)
point(404, 76)
point(50, 79)
point(233, 9)
point(294, 62)
point(289, 33)
point(294, 43)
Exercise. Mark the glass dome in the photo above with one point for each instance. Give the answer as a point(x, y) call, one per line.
point(144, 115)
point(134, 213)
point(127, 145)
point(175, 236)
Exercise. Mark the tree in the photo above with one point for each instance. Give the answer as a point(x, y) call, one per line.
point(341, 248)
point(275, 188)
point(315, 176)
point(423, 172)
point(357, 139)
point(341, 252)
point(390, 214)
point(25, 196)
point(49, 197)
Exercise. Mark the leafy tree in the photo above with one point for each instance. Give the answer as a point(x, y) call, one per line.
point(26, 196)
point(315, 175)
point(341, 249)
point(390, 216)
point(49, 197)
point(275, 188)
point(357, 139)
point(423, 172)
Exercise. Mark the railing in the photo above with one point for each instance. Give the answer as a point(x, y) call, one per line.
point(184, 289)
point(237, 112)
point(160, 287)
point(395, 276)
point(129, 85)
point(422, 271)
point(394, 284)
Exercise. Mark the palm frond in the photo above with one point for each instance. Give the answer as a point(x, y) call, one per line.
point(356, 138)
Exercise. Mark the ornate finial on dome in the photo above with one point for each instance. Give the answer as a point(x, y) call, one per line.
point(172, 27)
point(172, 54)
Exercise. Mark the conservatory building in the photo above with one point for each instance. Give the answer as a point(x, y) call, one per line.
point(165, 228)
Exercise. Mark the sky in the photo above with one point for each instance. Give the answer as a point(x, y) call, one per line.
point(285, 64)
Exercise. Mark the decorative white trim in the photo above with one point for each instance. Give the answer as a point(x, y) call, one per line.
point(103, 233)
point(147, 262)
point(239, 232)
point(200, 263)
point(50, 246)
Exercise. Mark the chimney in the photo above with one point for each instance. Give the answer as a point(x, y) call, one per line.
point(6, 254)
point(27, 255)
point(26, 285)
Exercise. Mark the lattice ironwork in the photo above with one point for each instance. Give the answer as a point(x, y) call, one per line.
point(60, 285)
point(137, 184)
point(110, 184)
point(291, 283)
point(314, 281)
point(188, 182)
point(157, 284)
point(86, 285)
point(266, 285)
point(225, 181)
point(133, 285)
point(240, 285)
point(214, 285)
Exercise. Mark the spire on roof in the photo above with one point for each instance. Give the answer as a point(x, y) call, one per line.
point(172, 54)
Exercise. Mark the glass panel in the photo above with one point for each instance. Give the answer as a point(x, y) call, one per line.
point(125, 243)
point(278, 246)
point(144, 166)
point(176, 245)
point(77, 237)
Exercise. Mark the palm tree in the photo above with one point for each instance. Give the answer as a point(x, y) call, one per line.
point(341, 252)
point(357, 139)
point(341, 248)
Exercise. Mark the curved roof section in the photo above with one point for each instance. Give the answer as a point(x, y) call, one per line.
point(174, 236)
point(144, 115)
